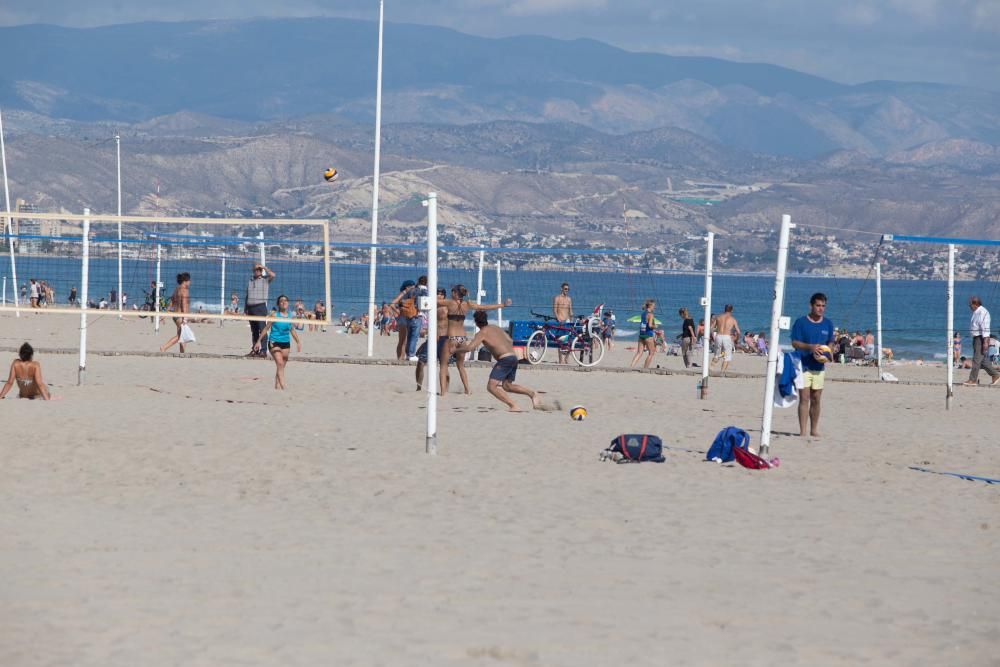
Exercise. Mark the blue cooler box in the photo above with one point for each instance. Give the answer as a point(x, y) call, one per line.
point(520, 330)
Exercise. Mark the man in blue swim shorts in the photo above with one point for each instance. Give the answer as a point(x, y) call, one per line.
point(505, 370)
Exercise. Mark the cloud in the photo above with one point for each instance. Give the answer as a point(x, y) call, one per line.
point(539, 7)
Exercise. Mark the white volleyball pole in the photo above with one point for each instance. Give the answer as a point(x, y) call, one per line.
point(156, 319)
point(222, 291)
point(707, 330)
point(878, 317)
point(431, 375)
point(263, 254)
point(373, 251)
point(773, 349)
point(9, 222)
point(499, 296)
point(118, 160)
point(84, 292)
point(5, 290)
point(951, 325)
point(479, 283)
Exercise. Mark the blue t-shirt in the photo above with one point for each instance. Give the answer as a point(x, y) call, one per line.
point(814, 333)
point(279, 332)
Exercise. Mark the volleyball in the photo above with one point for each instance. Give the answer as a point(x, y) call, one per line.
point(330, 174)
point(578, 413)
point(823, 354)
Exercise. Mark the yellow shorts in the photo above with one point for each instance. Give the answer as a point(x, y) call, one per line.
point(814, 379)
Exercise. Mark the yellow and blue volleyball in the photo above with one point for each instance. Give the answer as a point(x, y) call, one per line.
point(330, 174)
point(823, 354)
point(578, 413)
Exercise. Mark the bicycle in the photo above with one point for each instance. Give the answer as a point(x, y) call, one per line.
point(582, 342)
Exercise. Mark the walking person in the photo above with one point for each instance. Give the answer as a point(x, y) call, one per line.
point(647, 335)
point(72, 296)
point(409, 322)
point(956, 349)
point(726, 327)
point(179, 303)
point(808, 333)
point(255, 305)
point(504, 371)
point(278, 335)
point(687, 336)
point(979, 329)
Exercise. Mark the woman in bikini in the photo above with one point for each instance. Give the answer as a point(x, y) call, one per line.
point(278, 339)
point(458, 307)
point(27, 374)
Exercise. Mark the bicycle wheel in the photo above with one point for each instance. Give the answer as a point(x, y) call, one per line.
point(535, 347)
point(586, 351)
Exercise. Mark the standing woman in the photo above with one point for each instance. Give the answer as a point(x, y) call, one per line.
point(457, 308)
point(278, 338)
point(647, 333)
point(179, 303)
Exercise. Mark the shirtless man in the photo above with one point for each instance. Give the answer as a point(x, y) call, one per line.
point(562, 309)
point(179, 303)
point(725, 327)
point(504, 371)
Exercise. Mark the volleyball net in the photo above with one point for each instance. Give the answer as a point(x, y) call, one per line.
point(131, 265)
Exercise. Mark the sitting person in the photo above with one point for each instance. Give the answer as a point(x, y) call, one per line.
point(27, 374)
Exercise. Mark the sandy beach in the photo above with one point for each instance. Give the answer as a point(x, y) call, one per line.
point(179, 511)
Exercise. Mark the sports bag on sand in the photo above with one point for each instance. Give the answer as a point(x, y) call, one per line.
point(634, 448)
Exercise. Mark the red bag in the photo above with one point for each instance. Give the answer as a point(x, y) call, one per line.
point(747, 459)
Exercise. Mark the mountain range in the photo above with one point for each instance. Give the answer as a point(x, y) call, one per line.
point(528, 135)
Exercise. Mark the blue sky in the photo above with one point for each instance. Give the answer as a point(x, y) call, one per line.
point(952, 41)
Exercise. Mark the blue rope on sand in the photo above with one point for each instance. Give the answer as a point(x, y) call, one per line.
point(973, 478)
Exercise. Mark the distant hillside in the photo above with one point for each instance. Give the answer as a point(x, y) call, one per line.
point(263, 70)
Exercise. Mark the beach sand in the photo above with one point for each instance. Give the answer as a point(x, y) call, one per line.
point(179, 511)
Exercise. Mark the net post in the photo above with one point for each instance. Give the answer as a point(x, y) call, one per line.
point(156, 318)
point(951, 326)
point(118, 162)
point(326, 277)
point(499, 296)
point(263, 254)
point(8, 221)
point(479, 282)
point(773, 349)
point(84, 295)
point(373, 255)
point(707, 329)
point(222, 291)
point(5, 290)
point(431, 374)
point(878, 317)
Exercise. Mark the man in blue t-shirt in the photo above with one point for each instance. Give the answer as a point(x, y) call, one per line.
point(808, 333)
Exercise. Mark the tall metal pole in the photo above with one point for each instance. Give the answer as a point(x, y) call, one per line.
point(373, 257)
point(951, 325)
point(222, 292)
point(707, 329)
point(9, 222)
point(878, 317)
point(499, 296)
point(156, 319)
point(263, 254)
point(431, 373)
point(84, 295)
point(772, 349)
point(118, 153)
point(479, 283)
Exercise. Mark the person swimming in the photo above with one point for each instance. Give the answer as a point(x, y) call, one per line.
point(27, 374)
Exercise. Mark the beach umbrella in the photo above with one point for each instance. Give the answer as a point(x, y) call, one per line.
point(638, 318)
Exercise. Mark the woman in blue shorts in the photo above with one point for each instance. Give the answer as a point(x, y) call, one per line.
point(279, 336)
point(647, 335)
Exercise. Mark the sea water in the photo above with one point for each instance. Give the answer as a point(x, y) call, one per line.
point(913, 311)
